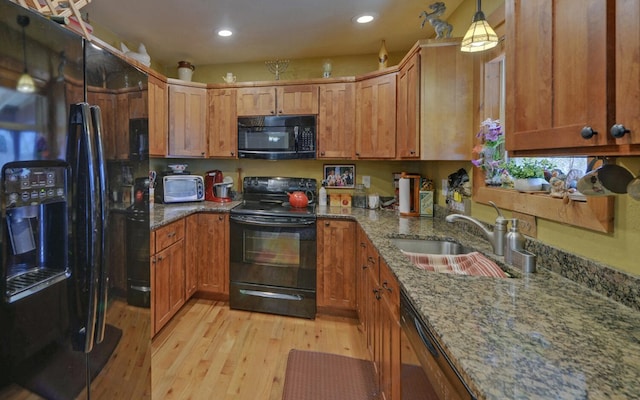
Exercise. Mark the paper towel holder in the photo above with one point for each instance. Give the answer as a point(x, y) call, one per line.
point(414, 192)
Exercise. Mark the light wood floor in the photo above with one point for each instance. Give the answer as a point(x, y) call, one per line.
point(127, 375)
point(208, 351)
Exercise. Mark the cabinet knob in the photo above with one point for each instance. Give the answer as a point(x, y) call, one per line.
point(322, 153)
point(220, 217)
point(357, 154)
point(272, 112)
point(587, 132)
point(412, 152)
point(619, 130)
point(326, 223)
point(233, 154)
point(386, 286)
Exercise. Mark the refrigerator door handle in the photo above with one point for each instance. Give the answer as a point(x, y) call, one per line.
point(81, 154)
point(103, 221)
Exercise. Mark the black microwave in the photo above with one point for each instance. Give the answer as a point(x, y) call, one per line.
point(280, 137)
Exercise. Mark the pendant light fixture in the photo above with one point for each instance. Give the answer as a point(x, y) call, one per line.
point(480, 36)
point(25, 82)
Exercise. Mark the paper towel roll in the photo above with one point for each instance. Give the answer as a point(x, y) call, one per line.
point(404, 196)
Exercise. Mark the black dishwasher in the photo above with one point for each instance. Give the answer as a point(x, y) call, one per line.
point(446, 382)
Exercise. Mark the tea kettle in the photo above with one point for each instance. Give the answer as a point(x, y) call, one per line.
point(298, 199)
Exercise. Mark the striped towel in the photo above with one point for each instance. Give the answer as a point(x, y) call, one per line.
point(463, 264)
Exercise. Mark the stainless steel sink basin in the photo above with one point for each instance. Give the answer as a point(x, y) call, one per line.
point(430, 246)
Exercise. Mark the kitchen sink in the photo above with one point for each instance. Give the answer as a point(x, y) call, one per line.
point(430, 246)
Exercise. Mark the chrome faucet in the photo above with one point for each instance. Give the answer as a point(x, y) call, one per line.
point(495, 237)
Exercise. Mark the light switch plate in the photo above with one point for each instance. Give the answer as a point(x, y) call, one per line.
point(366, 181)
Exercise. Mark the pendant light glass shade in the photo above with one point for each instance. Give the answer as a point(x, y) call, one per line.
point(25, 82)
point(480, 36)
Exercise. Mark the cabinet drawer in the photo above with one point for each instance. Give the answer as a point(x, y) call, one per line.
point(168, 235)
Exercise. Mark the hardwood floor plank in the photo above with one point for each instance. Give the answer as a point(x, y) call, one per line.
point(211, 352)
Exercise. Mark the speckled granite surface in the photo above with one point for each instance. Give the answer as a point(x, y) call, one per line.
point(535, 336)
point(164, 214)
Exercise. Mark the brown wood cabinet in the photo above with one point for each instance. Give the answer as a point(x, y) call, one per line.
point(336, 121)
point(446, 87)
point(223, 126)
point(158, 117)
point(378, 294)
point(278, 100)
point(211, 248)
point(167, 273)
point(408, 109)
point(376, 117)
point(627, 118)
point(138, 104)
point(187, 120)
point(107, 101)
point(560, 91)
point(388, 349)
point(336, 270)
point(191, 257)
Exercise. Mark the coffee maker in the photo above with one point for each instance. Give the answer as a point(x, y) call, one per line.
point(215, 188)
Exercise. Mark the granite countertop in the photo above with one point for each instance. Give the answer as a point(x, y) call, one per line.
point(536, 336)
point(164, 214)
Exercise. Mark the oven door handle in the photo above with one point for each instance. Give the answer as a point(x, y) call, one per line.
point(254, 222)
point(271, 295)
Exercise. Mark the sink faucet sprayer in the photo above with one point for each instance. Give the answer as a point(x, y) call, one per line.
point(495, 237)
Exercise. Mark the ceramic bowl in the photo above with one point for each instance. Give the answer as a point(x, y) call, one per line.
point(177, 168)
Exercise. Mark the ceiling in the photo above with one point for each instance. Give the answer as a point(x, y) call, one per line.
point(174, 30)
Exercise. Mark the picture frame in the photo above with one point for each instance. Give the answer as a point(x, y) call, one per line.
point(339, 176)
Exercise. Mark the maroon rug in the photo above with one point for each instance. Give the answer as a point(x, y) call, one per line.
point(312, 375)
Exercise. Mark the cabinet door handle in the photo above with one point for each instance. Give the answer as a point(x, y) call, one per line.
point(587, 132)
point(619, 130)
point(376, 292)
point(220, 217)
point(322, 153)
point(386, 286)
point(327, 223)
point(160, 258)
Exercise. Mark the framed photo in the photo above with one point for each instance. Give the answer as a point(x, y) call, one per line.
point(339, 176)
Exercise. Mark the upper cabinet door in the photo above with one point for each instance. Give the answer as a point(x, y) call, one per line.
point(408, 109)
point(256, 101)
point(158, 118)
point(560, 62)
point(376, 117)
point(278, 100)
point(627, 120)
point(336, 121)
point(297, 100)
point(223, 126)
point(187, 121)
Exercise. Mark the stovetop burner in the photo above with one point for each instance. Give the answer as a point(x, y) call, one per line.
point(269, 196)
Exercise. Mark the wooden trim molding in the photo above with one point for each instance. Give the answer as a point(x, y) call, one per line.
point(595, 214)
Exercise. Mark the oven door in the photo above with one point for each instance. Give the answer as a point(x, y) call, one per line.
point(273, 264)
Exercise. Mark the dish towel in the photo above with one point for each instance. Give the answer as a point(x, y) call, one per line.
point(463, 264)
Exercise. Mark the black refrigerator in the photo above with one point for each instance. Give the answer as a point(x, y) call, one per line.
point(66, 329)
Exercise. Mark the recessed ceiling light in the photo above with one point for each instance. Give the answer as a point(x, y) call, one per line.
point(364, 18)
point(225, 32)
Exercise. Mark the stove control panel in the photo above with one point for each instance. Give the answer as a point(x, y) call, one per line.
point(278, 185)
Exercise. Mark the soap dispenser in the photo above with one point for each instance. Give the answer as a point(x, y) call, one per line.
point(514, 241)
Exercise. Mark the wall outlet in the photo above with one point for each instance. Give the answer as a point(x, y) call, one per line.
point(445, 188)
point(366, 181)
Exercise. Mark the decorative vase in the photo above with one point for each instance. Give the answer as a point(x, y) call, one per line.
point(185, 70)
point(383, 56)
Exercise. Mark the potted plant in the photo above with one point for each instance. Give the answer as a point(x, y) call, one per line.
point(528, 174)
point(490, 151)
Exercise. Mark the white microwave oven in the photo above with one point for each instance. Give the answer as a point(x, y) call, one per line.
point(180, 188)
